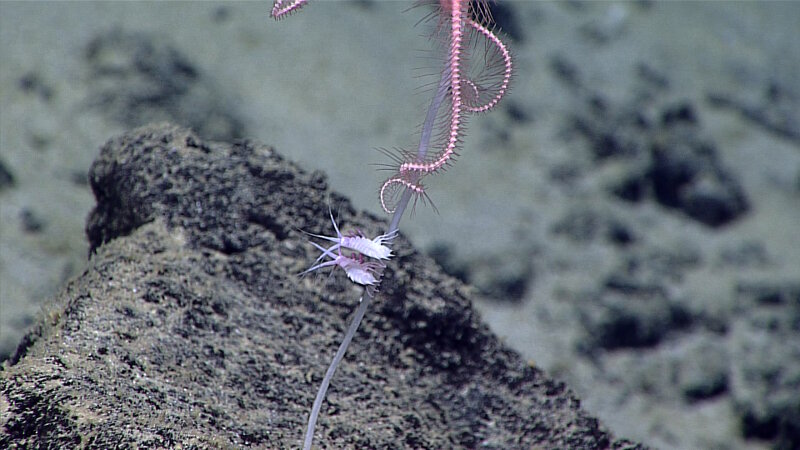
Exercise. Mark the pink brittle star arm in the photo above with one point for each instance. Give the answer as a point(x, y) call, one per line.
point(507, 69)
point(466, 95)
point(283, 8)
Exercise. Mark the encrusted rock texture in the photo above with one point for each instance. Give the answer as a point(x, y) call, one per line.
point(191, 329)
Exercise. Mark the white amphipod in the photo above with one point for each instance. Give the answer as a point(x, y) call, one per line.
point(374, 248)
point(365, 273)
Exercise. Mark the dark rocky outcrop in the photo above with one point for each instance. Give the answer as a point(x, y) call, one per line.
point(190, 328)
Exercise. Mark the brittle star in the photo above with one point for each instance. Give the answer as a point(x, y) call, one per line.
point(465, 86)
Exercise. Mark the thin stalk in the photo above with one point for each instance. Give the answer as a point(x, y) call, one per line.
point(424, 143)
point(368, 295)
point(323, 388)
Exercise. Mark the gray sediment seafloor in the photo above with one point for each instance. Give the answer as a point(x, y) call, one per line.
point(190, 328)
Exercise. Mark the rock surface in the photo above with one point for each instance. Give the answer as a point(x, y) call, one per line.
point(190, 328)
